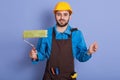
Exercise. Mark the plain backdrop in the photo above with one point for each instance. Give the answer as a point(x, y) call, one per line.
point(99, 20)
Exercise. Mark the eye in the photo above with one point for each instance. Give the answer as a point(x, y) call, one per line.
point(58, 14)
point(65, 14)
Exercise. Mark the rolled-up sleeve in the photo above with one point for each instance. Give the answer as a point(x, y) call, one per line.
point(41, 48)
point(82, 52)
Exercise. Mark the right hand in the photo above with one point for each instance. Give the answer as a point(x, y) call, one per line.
point(33, 54)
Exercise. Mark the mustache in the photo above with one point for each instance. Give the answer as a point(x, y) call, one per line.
point(61, 20)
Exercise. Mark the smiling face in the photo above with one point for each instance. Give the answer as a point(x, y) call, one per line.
point(62, 18)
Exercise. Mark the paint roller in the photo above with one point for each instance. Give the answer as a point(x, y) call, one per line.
point(34, 34)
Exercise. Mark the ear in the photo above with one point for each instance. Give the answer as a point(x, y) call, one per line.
point(70, 16)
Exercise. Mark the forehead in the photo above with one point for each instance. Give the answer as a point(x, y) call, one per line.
point(62, 11)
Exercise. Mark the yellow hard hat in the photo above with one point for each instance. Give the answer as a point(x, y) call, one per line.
point(63, 6)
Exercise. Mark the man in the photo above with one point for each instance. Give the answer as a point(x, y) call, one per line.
point(62, 45)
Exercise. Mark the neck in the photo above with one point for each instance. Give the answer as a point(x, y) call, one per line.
point(61, 29)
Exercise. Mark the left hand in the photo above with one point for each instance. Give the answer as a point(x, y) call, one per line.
point(93, 48)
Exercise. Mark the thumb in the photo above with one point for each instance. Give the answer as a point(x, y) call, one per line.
point(33, 48)
point(95, 45)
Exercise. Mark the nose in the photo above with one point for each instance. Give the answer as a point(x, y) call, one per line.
point(62, 16)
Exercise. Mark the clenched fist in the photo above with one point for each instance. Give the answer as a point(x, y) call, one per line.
point(33, 54)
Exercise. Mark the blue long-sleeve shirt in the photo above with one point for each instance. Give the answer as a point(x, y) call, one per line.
point(79, 48)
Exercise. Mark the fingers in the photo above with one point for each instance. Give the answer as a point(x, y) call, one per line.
point(33, 53)
point(34, 50)
point(95, 50)
point(95, 46)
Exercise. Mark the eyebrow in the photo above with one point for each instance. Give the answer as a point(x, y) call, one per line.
point(63, 13)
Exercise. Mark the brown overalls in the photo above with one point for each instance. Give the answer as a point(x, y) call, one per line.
point(60, 65)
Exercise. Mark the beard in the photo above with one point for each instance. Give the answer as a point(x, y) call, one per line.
point(60, 24)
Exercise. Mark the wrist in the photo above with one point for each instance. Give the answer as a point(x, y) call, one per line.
point(35, 58)
point(88, 52)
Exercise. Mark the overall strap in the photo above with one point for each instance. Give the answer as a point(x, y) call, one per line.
point(74, 29)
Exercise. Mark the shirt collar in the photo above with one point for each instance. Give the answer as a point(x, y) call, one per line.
point(67, 31)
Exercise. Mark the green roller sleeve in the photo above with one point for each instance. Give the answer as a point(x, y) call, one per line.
point(35, 33)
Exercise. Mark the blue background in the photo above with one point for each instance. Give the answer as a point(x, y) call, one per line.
point(99, 20)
